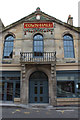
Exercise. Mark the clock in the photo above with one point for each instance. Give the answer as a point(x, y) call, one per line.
point(38, 17)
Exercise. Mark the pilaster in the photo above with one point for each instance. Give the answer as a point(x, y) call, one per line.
point(53, 84)
point(23, 82)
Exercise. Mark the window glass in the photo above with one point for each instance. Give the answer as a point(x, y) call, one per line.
point(41, 90)
point(68, 47)
point(35, 90)
point(10, 85)
point(38, 75)
point(17, 89)
point(68, 83)
point(65, 89)
point(78, 88)
point(8, 47)
point(38, 45)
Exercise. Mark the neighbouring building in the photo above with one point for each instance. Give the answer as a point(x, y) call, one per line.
point(39, 60)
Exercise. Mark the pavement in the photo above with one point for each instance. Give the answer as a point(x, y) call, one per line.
point(38, 106)
point(11, 110)
point(48, 112)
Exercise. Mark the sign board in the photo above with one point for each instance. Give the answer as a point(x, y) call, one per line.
point(38, 25)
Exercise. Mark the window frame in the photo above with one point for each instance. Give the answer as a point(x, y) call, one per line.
point(39, 46)
point(76, 80)
point(69, 51)
point(8, 49)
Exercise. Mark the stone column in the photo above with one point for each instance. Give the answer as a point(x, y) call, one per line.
point(53, 85)
point(23, 85)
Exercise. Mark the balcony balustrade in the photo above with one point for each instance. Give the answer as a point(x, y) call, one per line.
point(37, 57)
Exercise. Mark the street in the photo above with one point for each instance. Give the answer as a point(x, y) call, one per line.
point(14, 112)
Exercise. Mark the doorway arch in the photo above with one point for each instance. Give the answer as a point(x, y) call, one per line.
point(38, 87)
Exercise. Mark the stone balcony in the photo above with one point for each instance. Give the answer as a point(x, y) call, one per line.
point(31, 57)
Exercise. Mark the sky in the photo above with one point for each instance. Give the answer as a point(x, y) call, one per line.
point(13, 10)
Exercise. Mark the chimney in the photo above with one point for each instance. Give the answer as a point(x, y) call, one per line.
point(70, 20)
point(1, 25)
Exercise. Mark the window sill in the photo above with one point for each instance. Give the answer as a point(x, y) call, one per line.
point(6, 60)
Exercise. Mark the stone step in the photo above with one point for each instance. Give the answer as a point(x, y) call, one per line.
point(39, 105)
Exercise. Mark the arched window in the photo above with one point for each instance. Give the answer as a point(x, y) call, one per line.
point(8, 46)
point(38, 45)
point(68, 46)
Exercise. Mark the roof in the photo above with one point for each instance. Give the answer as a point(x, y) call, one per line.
point(46, 17)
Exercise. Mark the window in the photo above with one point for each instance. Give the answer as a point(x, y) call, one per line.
point(38, 45)
point(68, 46)
point(10, 85)
point(68, 84)
point(8, 47)
point(78, 88)
point(65, 89)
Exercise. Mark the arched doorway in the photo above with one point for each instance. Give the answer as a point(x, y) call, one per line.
point(38, 88)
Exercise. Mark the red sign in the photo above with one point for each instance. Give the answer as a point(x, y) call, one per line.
point(38, 25)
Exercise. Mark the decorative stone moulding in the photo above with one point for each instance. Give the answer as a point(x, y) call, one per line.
point(37, 30)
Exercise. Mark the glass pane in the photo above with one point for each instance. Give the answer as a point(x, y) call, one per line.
point(35, 83)
point(35, 43)
point(38, 75)
point(3, 90)
point(9, 91)
point(35, 99)
point(0, 90)
point(41, 90)
point(78, 86)
point(38, 44)
point(68, 47)
point(17, 90)
point(65, 89)
point(10, 38)
point(66, 77)
point(64, 43)
point(35, 90)
point(41, 83)
point(8, 47)
point(41, 99)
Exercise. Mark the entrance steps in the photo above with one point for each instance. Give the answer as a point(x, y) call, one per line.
point(38, 106)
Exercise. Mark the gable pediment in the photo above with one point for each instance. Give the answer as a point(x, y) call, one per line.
point(43, 18)
point(33, 18)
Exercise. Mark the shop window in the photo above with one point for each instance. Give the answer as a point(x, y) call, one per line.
point(68, 46)
point(10, 85)
point(65, 89)
point(17, 90)
point(38, 45)
point(68, 83)
point(8, 47)
point(78, 89)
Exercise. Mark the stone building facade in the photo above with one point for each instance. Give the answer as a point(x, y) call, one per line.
point(39, 60)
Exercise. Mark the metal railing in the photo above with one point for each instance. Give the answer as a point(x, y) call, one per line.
point(43, 57)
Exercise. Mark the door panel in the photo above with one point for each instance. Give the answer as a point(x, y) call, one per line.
point(38, 91)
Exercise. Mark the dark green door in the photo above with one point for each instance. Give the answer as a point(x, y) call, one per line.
point(38, 88)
